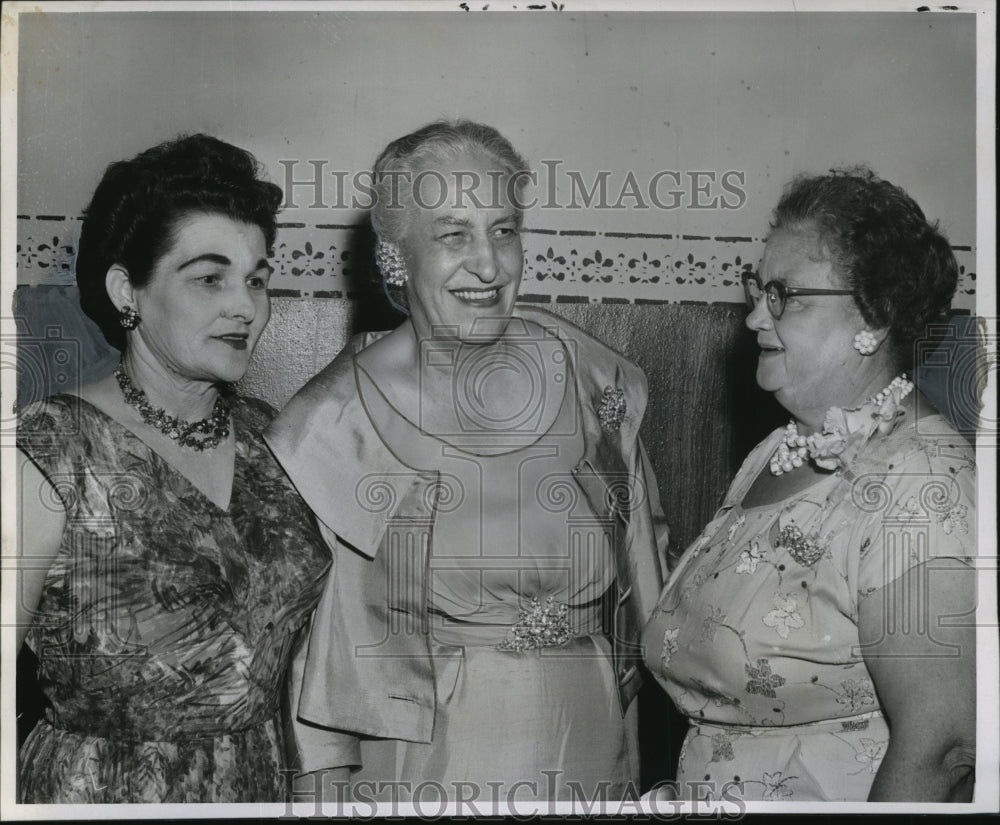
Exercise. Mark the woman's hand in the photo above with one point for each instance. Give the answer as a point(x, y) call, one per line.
point(918, 640)
point(664, 792)
point(40, 525)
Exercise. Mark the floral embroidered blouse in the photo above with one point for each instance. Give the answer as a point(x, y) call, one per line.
point(755, 637)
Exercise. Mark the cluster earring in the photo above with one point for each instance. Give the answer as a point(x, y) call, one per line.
point(128, 317)
point(865, 342)
point(391, 263)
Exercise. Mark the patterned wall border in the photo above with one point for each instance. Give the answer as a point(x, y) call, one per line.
point(321, 260)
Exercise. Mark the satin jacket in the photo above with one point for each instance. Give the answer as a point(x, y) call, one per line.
point(369, 668)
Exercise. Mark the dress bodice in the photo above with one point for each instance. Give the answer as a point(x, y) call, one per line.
point(755, 637)
point(162, 615)
point(511, 526)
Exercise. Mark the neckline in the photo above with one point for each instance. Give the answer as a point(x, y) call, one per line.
point(767, 448)
point(359, 370)
point(769, 445)
point(130, 433)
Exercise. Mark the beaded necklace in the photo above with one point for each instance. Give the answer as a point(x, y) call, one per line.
point(205, 434)
point(841, 427)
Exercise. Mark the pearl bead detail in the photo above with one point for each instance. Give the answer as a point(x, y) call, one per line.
point(795, 448)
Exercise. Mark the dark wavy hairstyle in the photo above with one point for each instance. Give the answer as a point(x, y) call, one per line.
point(900, 268)
point(138, 204)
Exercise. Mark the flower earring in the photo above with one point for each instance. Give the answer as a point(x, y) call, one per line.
point(865, 342)
point(391, 263)
point(128, 317)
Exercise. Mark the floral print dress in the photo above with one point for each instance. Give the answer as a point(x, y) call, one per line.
point(166, 624)
point(755, 637)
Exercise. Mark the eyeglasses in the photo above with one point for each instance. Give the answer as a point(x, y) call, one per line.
point(778, 293)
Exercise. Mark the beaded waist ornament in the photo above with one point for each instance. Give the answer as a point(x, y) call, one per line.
point(539, 625)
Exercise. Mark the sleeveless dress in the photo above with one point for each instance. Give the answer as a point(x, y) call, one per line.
point(166, 624)
point(756, 639)
point(546, 717)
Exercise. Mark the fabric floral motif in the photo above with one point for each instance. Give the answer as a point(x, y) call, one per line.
point(910, 509)
point(787, 651)
point(954, 520)
point(775, 789)
point(846, 431)
point(762, 681)
point(871, 753)
point(857, 694)
point(719, 699)
point(722, 748)
point(697, 580)
point(196, 607)
point(669, 647)
point(711, 624)
point(736, 525)
point(750, 558)
point(784, 617)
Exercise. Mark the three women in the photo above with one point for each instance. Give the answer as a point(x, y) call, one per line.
point(478, 474)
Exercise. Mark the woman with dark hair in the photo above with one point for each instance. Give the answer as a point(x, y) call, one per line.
point(809, 633)
point(488, 502)
point(167, 564)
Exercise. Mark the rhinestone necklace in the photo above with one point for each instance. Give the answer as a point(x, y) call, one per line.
point(206, 434)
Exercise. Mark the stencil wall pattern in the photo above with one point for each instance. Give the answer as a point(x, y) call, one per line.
point(329, 260)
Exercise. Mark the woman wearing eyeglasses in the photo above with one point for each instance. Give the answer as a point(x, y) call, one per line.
point(804, 631)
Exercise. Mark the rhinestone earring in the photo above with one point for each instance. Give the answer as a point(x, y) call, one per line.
point(391, 263)
point(128, 317)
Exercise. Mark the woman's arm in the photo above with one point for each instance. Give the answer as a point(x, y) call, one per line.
point(324, 756)
point(661, 529)
point(925, 677)
point(40, 528)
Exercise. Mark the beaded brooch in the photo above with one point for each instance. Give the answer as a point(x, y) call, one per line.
point(611, 410)
point(539, 625)
point(804, 550)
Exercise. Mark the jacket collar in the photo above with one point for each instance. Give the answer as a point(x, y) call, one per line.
point(328, 445)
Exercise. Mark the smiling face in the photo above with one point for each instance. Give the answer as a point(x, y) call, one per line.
point(807, 356)
point(206, 302)
point(464, 255)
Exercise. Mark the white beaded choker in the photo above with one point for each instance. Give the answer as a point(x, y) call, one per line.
point(840, 429)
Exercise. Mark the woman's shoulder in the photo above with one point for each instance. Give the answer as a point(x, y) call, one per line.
point(590, 355)
point(924, 469)
point(61, 432)
point(924, 444)
point(252, 412)
point(55, 418)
